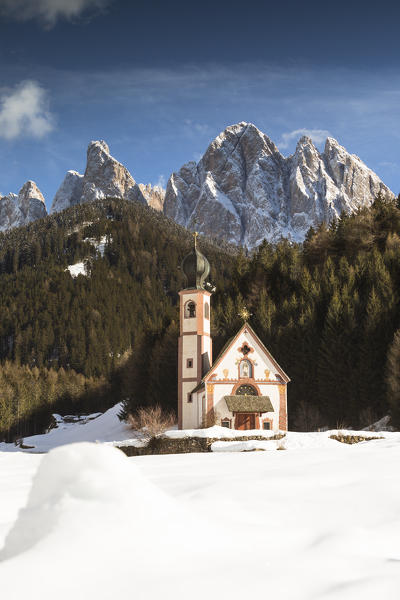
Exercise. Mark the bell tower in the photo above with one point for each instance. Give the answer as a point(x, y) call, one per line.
point(195, 344)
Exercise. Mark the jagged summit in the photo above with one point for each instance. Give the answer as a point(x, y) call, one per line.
point(98, 145)
point(21, 209)
point(244, 190)
point(104, 177)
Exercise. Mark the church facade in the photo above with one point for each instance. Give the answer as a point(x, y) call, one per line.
point(244, 388)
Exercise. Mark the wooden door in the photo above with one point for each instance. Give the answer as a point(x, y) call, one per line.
point(245, 421)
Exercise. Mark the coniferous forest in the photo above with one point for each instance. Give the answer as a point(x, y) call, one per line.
point(328, 310)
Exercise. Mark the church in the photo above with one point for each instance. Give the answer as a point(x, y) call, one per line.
point(244, 388)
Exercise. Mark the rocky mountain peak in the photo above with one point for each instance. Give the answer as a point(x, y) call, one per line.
point(104, 177)
point(31, 191)
point(331, 143)
point(69, 193)
point(98, 146)
point(306, 154)
point(98, 153)
point(21, 209)
point(305, 142)
point(243, 189)
point(243, 137)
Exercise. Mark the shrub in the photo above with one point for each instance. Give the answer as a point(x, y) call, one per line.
point(151, 421)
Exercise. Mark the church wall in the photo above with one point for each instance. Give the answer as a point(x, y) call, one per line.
point(207, 347)
point(189, 350)
point(264, 378)
point(221, 390)
point(205, 298)
point(190, 410)
point(261, 362)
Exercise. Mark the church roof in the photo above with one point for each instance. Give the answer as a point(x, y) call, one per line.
point(232, 341)
point(249, 404)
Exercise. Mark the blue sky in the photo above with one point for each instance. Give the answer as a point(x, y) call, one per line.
point(159, 80)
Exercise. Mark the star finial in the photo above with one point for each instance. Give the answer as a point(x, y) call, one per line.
point(195, 235)
point(244, 314)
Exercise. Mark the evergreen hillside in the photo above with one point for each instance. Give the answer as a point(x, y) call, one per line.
point(327, 309)
point(86, 325)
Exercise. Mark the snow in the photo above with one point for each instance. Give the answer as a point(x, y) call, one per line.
point(218, 195)
point(16, 472)
point(100, 245)
point(319, 520)
point(216, 432)
point(77, 269)
point(247, 446)
point(312, 522)
point(104, 428)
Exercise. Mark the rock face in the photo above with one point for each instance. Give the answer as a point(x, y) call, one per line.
point(104, 177)
point(244, 190)
point(21, 209)
point(153, 195)
point(69, 193)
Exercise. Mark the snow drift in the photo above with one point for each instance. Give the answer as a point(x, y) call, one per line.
point(308, 523)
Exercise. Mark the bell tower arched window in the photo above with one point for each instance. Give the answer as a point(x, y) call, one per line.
point(245, 369)
point(190, 309)
point(207, 310)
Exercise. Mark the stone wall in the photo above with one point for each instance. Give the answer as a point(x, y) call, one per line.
point(185, 445)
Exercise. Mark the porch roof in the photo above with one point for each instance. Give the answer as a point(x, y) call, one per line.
point(248, 404)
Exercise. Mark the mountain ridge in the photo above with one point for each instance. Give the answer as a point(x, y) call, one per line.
point(242, 190)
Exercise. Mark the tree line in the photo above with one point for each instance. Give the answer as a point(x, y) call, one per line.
point(328, 310)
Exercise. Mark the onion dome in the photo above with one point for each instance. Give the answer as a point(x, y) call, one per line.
point(195, 267)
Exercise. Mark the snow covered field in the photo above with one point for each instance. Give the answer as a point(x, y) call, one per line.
point(320, 520)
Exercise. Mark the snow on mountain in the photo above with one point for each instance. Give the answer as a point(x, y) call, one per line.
point(81, 267)
point(244, 190)
point(21, 209)
point(76, 269)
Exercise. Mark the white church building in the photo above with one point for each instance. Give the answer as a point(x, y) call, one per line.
point(244, 388)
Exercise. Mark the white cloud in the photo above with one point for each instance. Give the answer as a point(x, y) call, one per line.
point(49, 11)
point(23, 112)
point(197, 128)
point(317, 135)
point(161, 181)
point(389, 165)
